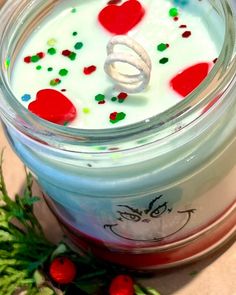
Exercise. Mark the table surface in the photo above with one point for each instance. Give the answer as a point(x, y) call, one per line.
point(215, 275)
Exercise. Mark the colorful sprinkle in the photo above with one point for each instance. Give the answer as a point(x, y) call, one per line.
point(173, 12)
point(122, 95)
point(86, 111)
point(27, 59)
point(116, 117)
point(41, 55)
point(55, 82)
point(63, 90)
point(50, 69)
point(186, 34)
point(70, 54)
point(26, 97)
point(66, 52)
point(39, 68)
point(102, 102)
point(162, 47)
point(89, 70)
point(35, 58)
point(51, 42)
point(73, 10)
point(111, 2)
point(74, 34)
point(63, 72)
point(182, 26)
point(100, 97)
point(114, 98)
point(78, 45)
point(164, 60)
point(7, 63)
point(52, 51)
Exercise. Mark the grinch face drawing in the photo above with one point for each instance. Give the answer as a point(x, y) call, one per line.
point(156, 222)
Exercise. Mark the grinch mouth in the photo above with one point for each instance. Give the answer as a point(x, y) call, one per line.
point(112, 228)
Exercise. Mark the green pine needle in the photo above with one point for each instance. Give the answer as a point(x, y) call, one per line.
point(22, 249)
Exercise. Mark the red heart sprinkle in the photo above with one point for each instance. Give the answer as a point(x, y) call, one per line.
point(185, 82)
point(53, 106)
point(121, 19)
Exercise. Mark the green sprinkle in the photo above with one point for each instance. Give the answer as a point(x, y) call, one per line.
point(173, 12)
point(73, 10)
point(66, 123)
point(51, 42)
point(121, 100)
point(119, 116)
point(39, 68)
point(74, 33)
point(7, 63)
point(162, 47)
point(50, 69)
point(72, 56)
point(78, 45)
point(86, 110)
point(52, 51)
point(99, 97)
point(63, 72)
point(164, 60)
point(114, 98)
point(55, 82)
point(35, 58)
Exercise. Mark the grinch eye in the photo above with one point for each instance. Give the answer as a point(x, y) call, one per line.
point(159, 210)
point(130, 216)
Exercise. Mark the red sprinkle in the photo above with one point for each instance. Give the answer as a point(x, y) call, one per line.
point(186, 34)
point(89, 70)
point(176, 18)
point(182, 26)
point(41, 54)
point(122, 95)
point(66, 52)
point(27, 59)
point(113, 2)
point(113, 116)
point(186, 81)
point(101, 102)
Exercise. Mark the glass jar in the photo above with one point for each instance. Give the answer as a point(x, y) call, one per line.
point(154, 194)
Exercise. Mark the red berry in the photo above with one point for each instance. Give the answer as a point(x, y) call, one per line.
point(62, 270)
point(122, 285)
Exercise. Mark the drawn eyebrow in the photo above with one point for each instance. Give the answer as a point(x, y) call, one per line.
point(151, 204)
point(132, 209)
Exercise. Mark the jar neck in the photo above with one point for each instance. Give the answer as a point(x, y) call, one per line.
point(19, 18)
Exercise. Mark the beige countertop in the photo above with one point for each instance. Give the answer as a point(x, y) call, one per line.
point(215, 275)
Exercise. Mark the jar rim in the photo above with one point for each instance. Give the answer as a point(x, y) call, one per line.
point(161, 123)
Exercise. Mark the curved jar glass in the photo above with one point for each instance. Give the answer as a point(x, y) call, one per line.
point(149, 195)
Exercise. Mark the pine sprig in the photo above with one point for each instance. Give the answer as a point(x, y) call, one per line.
point(23, 246)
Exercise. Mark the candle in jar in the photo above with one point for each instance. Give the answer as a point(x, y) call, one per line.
point(59, 73)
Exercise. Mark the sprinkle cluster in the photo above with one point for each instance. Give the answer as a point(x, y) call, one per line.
point(174, 13)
